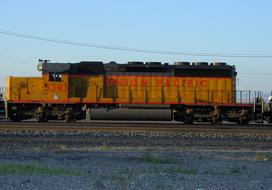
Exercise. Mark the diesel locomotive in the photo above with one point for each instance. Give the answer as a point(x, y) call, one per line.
point(182, 91)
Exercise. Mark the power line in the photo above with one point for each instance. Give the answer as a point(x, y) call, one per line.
point(15, 59)
point(101, 46)
point(266, 74)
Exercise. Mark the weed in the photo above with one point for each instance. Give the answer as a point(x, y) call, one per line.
point(211, 172)
point(263, 156)
point(61, 149)
point(181, 170)
point(117, 177)
point(36, 149)
point(159, 186)
point(268, 156)
point(33, 169)
point(235, 171)
point(39, 148)
point(184, 170)
point(225, 173)
point(104, 148)
point(260, 157)
point(148, 158)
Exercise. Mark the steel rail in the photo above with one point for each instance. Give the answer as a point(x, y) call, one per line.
point(156, 124)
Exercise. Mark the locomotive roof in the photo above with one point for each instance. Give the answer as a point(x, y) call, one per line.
point(137, 68)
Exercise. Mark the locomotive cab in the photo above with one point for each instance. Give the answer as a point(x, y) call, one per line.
point(55, 81)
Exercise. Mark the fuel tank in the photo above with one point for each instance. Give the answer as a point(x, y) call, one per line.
point(131, 114)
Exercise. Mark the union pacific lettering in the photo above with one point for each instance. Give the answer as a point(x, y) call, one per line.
point(155, 81)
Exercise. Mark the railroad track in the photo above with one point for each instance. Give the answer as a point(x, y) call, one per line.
point(165, 127)
point(146, 134)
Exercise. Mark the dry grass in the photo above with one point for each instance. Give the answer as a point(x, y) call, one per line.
point(61, 149)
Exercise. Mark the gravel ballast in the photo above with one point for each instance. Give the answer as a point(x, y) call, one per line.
point(133, 160)
point(105, 167)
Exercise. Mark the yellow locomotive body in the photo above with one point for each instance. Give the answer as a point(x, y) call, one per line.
point(121, 90)
point(68, 90)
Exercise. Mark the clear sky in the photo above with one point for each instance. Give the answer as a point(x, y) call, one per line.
point(225, 26)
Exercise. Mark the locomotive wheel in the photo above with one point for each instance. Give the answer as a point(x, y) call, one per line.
point(70, 118)
point(188, 120)
point(268, 118)
point(243, 121)
point(217, 122)
point(41, 118)
point(15, 118)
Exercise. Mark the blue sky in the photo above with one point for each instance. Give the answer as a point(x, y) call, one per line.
point(225, 26)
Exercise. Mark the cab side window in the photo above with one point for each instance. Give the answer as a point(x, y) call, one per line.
point(55, 77)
